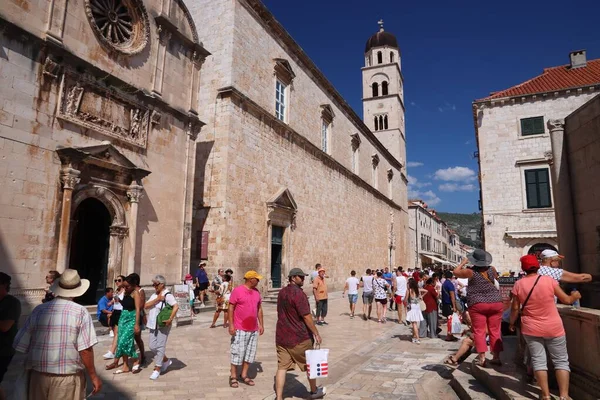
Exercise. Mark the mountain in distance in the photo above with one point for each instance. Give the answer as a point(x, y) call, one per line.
point(463, 224)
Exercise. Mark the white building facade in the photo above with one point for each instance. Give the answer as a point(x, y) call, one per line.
point(513, 137)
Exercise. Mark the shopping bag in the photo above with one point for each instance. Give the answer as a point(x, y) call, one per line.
point(456, 324)
point(316, 363)
point(20, 388)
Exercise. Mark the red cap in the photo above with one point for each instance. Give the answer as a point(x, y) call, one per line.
point(529, 263)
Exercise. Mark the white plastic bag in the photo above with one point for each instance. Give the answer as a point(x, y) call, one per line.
point(316, 363)
point(456, 324)
point(20, 388)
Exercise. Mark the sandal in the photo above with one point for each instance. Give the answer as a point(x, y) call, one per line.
point(233, 382)
point(451, 361)
point(112, 366)
point(120, 371)
point(479, 362)
point(212, 326)
point(136, 368)
point(247, 381)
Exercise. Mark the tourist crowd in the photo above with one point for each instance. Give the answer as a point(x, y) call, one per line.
point(58, 337)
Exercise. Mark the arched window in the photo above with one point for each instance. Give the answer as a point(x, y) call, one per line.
point(385, 123)
point(376, 124)
point(375, 88)
point(391, 56)
point(380, 122)
point(384, 88)
point(379, 58)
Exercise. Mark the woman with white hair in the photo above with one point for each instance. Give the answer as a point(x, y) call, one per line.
point(159, 330)
point(551, 266)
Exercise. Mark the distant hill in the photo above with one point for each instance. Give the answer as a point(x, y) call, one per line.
point(462, 224)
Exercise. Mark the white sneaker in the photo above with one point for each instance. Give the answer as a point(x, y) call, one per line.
point(155, 375)
point(319, 394)
point(111, 334)
point(202, 305)
point(109, 355)
point(165, 366)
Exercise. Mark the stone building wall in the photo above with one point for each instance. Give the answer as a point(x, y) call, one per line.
point(503, 157)
point(246, 157)
point(82, 94)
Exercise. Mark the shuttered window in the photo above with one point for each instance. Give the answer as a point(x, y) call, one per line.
point(537, 184)
point(532, 126)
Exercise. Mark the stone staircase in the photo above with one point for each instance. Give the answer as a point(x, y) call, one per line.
point(271, 296)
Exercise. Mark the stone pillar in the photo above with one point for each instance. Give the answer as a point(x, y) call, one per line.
point(193, 129)
point(133, 194)
point(561, 192)
point(57, 11)
point(69, 178)
point(115, 254)
point(161, 53)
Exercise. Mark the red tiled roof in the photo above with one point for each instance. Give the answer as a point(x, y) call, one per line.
point(553, 79)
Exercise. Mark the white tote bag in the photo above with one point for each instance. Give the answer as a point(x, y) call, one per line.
point(316, 363)
point(456, 324)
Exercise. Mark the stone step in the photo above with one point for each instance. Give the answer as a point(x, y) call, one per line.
point(465, 385)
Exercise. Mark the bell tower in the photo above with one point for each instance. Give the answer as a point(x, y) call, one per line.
point(383, 92)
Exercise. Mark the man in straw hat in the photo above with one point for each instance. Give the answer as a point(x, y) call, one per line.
point(295, 332)
point(245, 325)
point(58, 338)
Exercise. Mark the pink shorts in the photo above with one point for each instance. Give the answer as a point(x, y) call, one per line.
point(398, 299)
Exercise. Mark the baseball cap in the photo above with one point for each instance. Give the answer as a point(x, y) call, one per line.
point(529, 263)
point(550, 253)
point(252, 275)
point(296, 272)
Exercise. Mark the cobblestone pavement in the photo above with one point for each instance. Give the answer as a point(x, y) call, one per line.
point(367, 361)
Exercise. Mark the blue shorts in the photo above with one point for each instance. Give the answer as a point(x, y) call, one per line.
point(352, 298)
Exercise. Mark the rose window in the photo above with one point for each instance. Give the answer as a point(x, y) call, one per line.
point(119, 24)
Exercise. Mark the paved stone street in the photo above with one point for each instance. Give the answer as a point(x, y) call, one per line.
point(367, 361)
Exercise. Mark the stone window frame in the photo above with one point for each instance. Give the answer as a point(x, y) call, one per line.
point(284, 77)
point(390, 177)
point(520, 135)
point(375, 171)
point(355, 142)
point(526, 165)
point(327, 116)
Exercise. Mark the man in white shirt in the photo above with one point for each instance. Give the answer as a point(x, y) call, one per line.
point(400, 286)
point(352, 288)
point(366, 282)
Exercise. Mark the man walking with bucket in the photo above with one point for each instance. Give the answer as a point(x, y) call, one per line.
point(295, 333)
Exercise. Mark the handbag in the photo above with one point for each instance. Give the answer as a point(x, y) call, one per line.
point(518, 321)
point(422, 305)
point(456, 325)
point(165, 312)
point(316, 363)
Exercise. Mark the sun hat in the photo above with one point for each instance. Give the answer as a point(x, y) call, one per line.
point(296, 272)
point(252, 275)
point(188, 277)
point(202, 264)
point(321, 269)
point(550, 253)
point(70, 284)
point(480, 258)
point(529, 263)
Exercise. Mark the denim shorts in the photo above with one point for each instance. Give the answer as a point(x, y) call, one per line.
point(352, 298)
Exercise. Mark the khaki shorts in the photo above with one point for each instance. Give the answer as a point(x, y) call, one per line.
point(287, 357)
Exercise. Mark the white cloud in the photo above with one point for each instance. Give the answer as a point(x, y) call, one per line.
point(414, 191)
point(457, 174)
point(412, 164)
point(454, 187)
point(430, 198)
point(414, 183)
point(446, 107)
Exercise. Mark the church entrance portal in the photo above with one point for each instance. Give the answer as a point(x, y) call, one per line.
point(276, 253)
point(89, 247)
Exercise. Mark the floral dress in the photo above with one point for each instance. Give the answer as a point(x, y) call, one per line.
point(125, 339)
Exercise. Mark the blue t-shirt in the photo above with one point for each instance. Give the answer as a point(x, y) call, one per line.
point(103, 305)
point(388, 277)
point(202, 276)
point(447, 287)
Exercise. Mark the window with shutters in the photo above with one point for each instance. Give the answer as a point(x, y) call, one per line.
point(532, 126)
point(325, 136)
point(537, 188)
point(280, 100)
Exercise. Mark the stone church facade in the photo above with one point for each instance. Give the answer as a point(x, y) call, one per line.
point(288, 175)
point(98, 128)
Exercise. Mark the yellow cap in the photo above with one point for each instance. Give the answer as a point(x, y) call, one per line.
point(252, 275)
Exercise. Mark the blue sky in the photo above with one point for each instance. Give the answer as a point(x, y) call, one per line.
point(451, 55)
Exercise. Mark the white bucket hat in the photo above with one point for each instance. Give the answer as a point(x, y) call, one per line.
point(70, 284)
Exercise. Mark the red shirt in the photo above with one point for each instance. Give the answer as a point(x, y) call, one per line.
point(292, 306)
point(416, 276)
point(430, 298)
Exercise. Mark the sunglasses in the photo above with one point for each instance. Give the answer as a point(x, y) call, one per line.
point(300, 276)
point(155, 284)
point(118, 280)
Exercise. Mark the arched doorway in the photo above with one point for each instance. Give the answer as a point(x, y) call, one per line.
point(537, 248)
point(89, 247)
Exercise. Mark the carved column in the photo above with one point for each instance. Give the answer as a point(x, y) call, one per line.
point(57, 10)
point(193, 129)
point(69, 178)
point(133, 194)
point(197, 61)
point(561, 193)
point(115, 256)
point(161, 53)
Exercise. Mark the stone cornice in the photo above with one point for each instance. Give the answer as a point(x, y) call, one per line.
point(285, 130)
point(384, 65)
point(49, 47)
point(258, 9)
point(387, 96)
point(511, 100)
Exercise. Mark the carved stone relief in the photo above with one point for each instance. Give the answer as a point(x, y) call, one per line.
point(94, 107)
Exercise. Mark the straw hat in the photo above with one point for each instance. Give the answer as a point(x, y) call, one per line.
point(70, 284)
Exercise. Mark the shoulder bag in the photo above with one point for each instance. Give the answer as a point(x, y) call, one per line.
point(165, 312)
point(518, 321)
